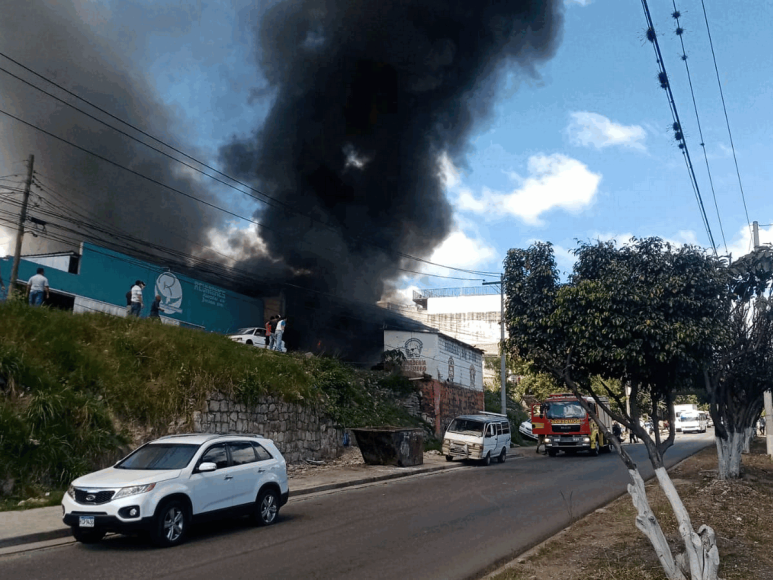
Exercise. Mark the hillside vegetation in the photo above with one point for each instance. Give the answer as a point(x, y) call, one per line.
point(76, 390)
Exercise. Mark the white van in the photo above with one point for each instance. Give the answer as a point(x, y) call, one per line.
point(693, 421)
point(483, 436)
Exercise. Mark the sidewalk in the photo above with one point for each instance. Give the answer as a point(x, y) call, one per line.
point(42, 527)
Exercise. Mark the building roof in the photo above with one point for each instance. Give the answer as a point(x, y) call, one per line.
point(428, 330)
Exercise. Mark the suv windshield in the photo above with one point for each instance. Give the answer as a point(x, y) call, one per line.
point(160, 456)
point(565, 411)
point(466, 426)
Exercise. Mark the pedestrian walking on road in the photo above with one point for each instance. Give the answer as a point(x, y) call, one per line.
point(541, 442)
point(762, 426)
point(280, 329)
point(632, 438)
point(136, 298)
point(36, 286)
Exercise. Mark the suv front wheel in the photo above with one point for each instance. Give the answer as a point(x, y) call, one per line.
point(267, 507)
point(171, 525)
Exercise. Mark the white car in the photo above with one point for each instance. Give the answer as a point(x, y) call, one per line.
point(165, 486)
point(253, 336)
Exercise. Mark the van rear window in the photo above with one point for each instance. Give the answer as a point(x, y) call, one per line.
point(466, 427)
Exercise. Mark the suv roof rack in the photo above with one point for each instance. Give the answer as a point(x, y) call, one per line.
point(224, 434)
point(211, 436)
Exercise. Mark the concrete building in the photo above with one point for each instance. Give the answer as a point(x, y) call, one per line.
point(449, 373)
point(470, 315)
point(97, 279)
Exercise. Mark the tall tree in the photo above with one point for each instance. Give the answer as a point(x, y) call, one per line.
point(741, 369)
point(646, 314)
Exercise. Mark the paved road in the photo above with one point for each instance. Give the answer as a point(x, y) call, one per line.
point(450, 525)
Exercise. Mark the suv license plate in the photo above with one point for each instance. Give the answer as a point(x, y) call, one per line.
point(86, 522)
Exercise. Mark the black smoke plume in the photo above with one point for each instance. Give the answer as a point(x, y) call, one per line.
point(366, 98)
point(59, 40)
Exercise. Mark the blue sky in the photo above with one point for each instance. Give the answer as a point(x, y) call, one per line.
point(583, 150)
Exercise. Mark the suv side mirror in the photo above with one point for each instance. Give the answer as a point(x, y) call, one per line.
point(206, 467)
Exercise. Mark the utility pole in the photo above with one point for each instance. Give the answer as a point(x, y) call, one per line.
point(768, 398)
point(20, 229)
point(503, 369)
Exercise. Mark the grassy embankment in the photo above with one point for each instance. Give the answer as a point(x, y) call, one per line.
point(76, 390)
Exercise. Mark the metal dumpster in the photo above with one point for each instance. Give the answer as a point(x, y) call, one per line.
point(391, 445)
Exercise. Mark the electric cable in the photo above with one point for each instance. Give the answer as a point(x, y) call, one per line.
point(264, 195)
point(680, 33)
point(724, 108)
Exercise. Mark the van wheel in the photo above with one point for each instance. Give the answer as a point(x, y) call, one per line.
point(449, 458)
point(486, 460)
point(502, 456)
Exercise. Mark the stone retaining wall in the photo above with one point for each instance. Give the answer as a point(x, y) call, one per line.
point(299, 432)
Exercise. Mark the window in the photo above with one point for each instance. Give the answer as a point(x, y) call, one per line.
point(242, 453)
point(160, 456)
point(506, 427)
point(466, 427)
point(217, 455)
point(263, 455)
point(499, 428)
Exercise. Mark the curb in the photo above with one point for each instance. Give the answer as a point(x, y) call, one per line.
point(21, 541)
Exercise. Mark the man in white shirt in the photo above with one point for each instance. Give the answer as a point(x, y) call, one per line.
point(136, 305)
point(280, 329)
point(36, 286)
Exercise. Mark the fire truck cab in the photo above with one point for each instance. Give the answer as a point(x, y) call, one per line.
point(567, 427)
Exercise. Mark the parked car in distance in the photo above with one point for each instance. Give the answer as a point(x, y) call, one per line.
point(165, 486)
point(483, 436)
point(253, 336)
point(525, 429)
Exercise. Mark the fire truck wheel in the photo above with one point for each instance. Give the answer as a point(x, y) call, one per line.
point(502, 456)
point(486, 460)
point(552, 452)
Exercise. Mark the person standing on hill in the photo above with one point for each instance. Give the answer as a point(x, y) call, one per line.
point(129, 301)
point(136, 298)
point(269, 327)
point(36, 286)
point(280, 329)
point(155, 307)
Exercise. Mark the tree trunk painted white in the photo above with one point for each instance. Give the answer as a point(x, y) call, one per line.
point(748, 434)
point(729, 455)
point(648, 524)
point(702, 555)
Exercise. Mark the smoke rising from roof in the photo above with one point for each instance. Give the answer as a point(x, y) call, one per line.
point(366, 99)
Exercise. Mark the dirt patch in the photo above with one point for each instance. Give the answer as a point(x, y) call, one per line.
point(606, 545)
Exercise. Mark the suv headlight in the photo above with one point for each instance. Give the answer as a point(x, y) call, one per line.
point(71, 491)
point(133, 490)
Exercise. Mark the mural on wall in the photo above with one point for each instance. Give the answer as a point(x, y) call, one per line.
point(171, 292)
point(210, 294)
point(441, 357)
point(414, 362)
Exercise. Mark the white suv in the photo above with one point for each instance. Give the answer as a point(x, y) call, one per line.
point(166, 485)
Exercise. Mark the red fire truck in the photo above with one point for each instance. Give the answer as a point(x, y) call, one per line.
point(567, 427)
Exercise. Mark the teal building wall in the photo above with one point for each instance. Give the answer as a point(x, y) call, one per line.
point(106, 276)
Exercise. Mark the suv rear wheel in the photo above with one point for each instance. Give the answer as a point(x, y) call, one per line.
point(267, 507)
point(171, 525)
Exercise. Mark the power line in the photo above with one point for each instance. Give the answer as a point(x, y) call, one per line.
point(680, 33)
point(677, 126)
point(724, 108)
point(262, 194)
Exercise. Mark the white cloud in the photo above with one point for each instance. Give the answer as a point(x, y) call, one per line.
point(594, 130)
point(555, 181)
point(742, 243)
point(461, 251)
point(582, 3)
